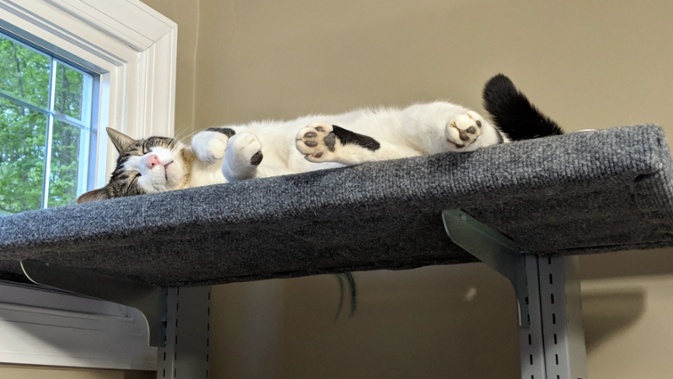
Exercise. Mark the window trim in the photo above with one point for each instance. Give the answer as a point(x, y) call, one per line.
point(133, 49)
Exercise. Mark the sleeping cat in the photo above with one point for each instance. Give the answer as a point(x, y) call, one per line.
point(263, 149)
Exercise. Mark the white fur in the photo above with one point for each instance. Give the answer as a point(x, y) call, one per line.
point(420, 129)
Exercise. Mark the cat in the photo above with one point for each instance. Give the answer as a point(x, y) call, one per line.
point(270, 148)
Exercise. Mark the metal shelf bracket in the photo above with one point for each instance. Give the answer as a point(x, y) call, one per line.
point(551, 335)
point(492, 248)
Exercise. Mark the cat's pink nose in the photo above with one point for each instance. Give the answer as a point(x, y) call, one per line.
point(152, 160)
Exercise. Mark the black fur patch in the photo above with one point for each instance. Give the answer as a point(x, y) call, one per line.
point(513, 113)
point(347, 137)
point(256, 159)
point(226, 131)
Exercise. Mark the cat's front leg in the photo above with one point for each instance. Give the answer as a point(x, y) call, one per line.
point(242, 157)
point(209, 145)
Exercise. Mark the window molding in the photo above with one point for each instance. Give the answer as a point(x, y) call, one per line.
point(133, 49)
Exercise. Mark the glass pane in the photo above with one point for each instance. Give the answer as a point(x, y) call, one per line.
point(70, 91)
point(24, 73)
point(64, 164)
point(22, 152)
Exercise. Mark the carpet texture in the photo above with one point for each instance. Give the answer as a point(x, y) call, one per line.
point(580, 193)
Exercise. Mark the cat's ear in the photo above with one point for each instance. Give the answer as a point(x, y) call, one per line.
point(119, 139)
point(93, 195)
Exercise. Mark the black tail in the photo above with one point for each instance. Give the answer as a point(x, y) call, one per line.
point(513, 113)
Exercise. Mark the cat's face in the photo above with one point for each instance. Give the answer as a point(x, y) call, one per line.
point(152, 165)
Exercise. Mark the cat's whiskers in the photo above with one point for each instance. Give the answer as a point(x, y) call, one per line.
point(184, 135)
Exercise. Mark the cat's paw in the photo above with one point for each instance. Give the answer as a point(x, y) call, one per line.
point(244, 149)
point(317, 142)
point(210, 145)
point(463, 130)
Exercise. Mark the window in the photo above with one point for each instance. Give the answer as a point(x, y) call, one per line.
point(123, 55)
point(45, 128)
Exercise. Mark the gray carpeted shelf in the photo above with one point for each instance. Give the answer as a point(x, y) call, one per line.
point(580, 193)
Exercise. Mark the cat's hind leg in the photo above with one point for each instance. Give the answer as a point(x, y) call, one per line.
point(322, 142)
point(242, 157)
point(445, 127)
point(464, 129)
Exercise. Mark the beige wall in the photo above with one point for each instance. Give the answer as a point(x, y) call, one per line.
point(601, 64)
point(587, 64)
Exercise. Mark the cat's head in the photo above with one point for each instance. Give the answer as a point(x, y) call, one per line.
point(150, 165)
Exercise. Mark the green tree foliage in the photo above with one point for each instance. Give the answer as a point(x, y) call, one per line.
point(25, 75)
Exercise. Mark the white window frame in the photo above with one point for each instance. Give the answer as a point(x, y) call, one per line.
point(133, 49)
